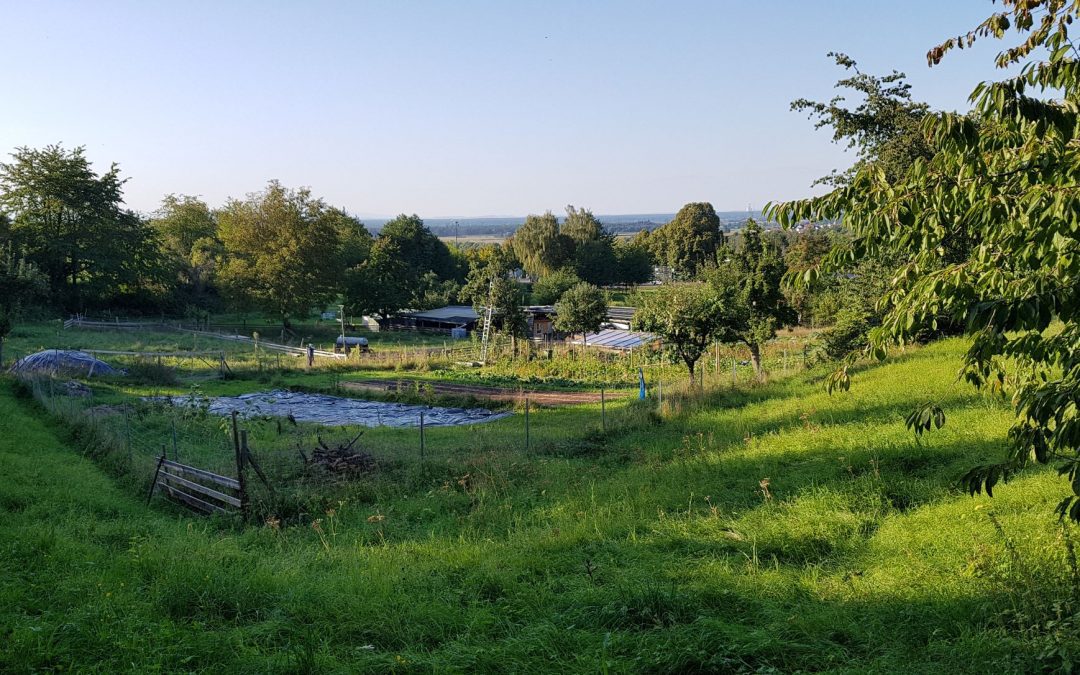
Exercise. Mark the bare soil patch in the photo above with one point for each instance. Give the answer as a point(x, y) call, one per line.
point(478, 391)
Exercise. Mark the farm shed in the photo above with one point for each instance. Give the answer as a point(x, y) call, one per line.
point(540, 318)
point(617, 339)
point(443, 319)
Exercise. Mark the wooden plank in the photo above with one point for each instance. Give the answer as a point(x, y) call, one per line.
point(200, 473)
point(209, 492)
point(190, 500)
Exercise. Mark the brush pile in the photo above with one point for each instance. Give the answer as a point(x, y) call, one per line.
point(340, 458)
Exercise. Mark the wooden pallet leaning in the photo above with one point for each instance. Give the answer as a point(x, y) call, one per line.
point(198, 489)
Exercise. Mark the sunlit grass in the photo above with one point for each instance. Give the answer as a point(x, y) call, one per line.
point(657, 547)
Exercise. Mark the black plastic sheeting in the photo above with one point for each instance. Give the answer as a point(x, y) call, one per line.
point(63, 361)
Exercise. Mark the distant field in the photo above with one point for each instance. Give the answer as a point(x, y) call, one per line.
point(474, 239)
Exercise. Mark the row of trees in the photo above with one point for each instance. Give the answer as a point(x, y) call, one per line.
point(68, 242)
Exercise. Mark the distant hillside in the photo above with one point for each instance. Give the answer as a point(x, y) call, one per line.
point(504, 226)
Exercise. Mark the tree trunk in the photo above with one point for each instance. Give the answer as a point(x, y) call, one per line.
point(755, 358)
point(690, 367)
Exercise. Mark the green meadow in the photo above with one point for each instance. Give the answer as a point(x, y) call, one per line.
point(765, 529)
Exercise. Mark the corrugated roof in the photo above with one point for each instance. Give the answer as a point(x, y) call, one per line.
point(450, 313)
point(614, 338)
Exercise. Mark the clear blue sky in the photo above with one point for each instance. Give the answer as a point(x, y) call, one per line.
point(461, 108)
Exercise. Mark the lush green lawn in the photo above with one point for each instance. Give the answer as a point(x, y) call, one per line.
point(655, 548)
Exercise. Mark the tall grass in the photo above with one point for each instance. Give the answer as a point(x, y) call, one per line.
point(771, 529)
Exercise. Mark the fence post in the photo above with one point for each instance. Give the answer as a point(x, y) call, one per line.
point(241, 448)
point(310, 356)
point(127, 434)
point(660, 388)
point(153, 483)
point(421, 435)
point(603, 412)
point(526, 424)
point(785, 362)
point(175, 450)
point(734, 374)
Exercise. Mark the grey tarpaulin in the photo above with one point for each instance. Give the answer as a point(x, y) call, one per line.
point(63, 361)
point(339, 411)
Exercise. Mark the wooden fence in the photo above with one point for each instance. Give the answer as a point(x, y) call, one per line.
point(205, 491)
point(79, 322)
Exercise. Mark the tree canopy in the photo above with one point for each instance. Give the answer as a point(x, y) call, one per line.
point(690, 241)
point(750, 278)
point(687, 316)
point(540, 246)
point(884, 128)
point(1005, 177)
point(283, 248)
point(70, 223)
point(582, 308)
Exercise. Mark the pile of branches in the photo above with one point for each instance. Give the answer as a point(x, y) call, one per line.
point(339, 459)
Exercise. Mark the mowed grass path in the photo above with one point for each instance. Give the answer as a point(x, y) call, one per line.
point(659, 550)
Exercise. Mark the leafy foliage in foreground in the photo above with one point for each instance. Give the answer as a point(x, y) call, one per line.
point(1005, 178)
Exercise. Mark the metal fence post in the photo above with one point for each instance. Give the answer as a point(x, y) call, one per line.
point(526, 423)
point(421, 435)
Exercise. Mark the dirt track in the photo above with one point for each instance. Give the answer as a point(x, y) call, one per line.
point(491, 393)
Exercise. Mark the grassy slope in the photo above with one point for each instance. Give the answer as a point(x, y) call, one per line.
point(658, 552)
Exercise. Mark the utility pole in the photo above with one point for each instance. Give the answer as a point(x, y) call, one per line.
point(341, 315)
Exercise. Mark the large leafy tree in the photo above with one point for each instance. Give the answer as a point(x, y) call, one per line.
point(489, 284)
point(633, 262)
point(593, 246)
point(72, 225)
point(688, 317)
point(283, 251)
point(418, 248)
point(408, 267)
point(1007, 178)
point(582, 308)
point(883, 127)
point(187, 233)
point(805, 251)
point(751, 278)
point(383, 284)
point(540, 246)
point(548, 289)
point(690, 241)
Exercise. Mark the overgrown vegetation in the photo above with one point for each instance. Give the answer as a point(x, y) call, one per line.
point(777, 528)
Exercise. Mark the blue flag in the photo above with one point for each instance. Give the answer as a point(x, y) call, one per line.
point(641, 384)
